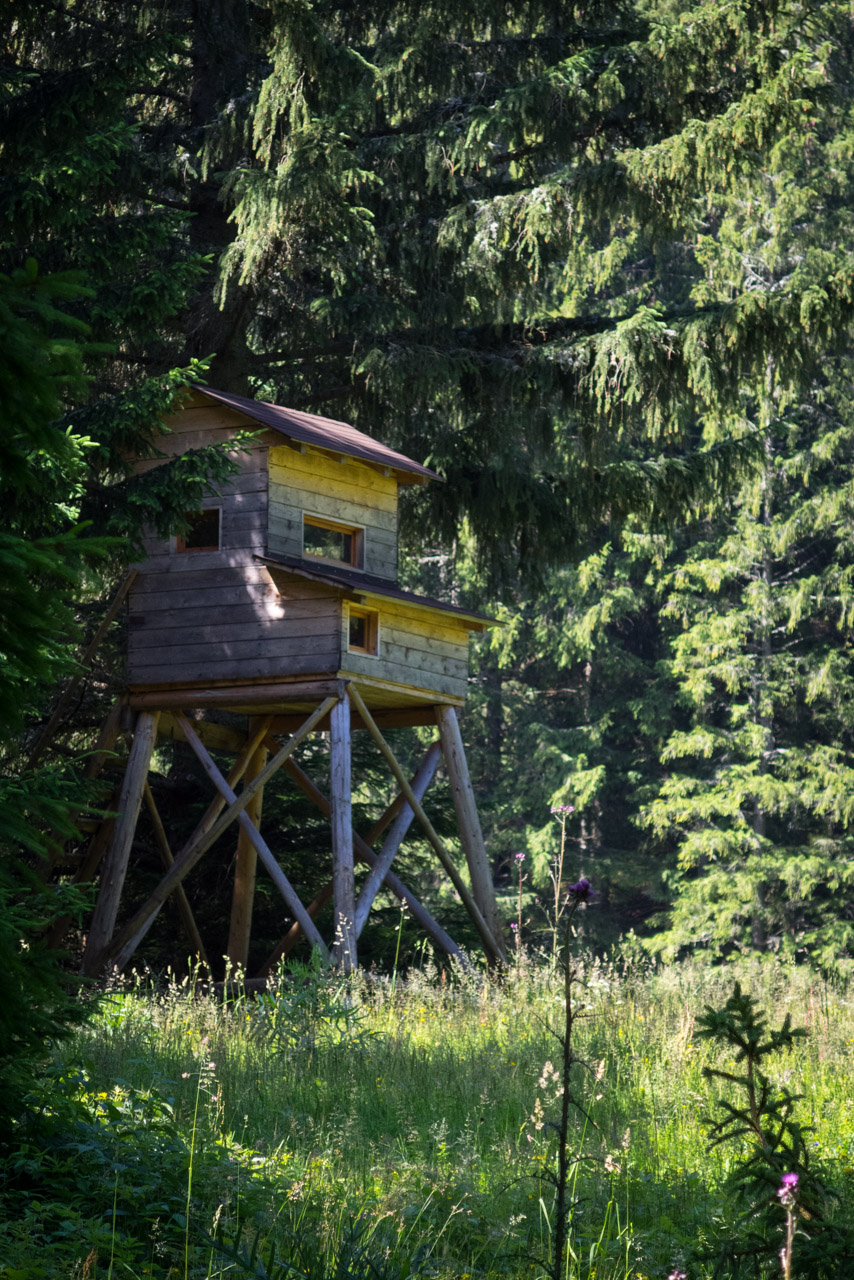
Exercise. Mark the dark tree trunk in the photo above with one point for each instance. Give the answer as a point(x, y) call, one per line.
point(221, 56)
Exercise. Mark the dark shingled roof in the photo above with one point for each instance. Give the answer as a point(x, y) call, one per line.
point(323, 433)
point(359, 583)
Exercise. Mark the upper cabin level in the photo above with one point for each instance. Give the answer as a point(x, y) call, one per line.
point(290, 571)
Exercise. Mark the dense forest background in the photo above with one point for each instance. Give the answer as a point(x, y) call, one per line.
point(590, 262)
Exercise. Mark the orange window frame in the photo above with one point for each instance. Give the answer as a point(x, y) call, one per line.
point(354, 532)
point(371, 619)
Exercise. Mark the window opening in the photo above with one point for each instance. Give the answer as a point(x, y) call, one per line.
point(202, 532)
point(342, 544)
point(363, 631)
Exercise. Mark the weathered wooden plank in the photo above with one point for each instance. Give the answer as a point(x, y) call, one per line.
point(347, 507)
point(240, 512)
point(270, 613)
point(178, 443)
point(399, 655)
point(301, 468)
point(471, 836)
point(118, 854)
point(343, 886)
point(278, 647)
point(491, 944)
point(284, 632)
point(155, 581)
point(380, 550)
point(418, 650)
point(411, 677)
point(227, 694)
point(426, 642)
point(256, 595)
point(233, 554)
point(202, 414)
point(242, 622)
point(443, 626)
point(392, 693)
point(319, 664)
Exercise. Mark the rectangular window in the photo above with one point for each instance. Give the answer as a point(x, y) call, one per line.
point(363, 630)
point(326, 540)
point(203, 533)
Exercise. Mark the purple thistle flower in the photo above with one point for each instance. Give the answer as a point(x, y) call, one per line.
point(513, 925)
point(520, 858)
point(581, 891)
point(678, 1274)
point(788, 1186)
point(563, 808)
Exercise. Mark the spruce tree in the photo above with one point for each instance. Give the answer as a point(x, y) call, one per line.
point(756, 800)
point(480, 233)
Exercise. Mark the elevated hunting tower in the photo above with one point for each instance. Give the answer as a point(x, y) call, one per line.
point(281, 604)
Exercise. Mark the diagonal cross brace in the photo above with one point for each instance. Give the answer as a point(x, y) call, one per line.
point(203, 840)
point(263, 850)
point(493, 950)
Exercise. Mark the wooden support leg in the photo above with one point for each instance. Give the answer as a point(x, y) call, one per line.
point(116, 860)
point(468, 821)
point(430, 926)
point(492, 947)
point(205, 836)
point(343, 885)
point(240, 927)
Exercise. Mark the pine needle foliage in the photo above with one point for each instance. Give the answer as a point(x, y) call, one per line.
point(491, 236)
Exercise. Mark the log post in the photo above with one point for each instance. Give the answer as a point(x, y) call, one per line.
point(343, 884)
point(246, 866)
point(471, 836)
point(117, 856)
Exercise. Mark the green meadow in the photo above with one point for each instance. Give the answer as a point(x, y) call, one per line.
point(387, 1128)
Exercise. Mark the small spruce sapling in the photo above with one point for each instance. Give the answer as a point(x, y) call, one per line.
point(776, 1155)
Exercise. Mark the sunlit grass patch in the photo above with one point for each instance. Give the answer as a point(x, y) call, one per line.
point(409, 1124)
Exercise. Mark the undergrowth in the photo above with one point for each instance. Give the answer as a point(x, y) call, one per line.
point(351, 1127)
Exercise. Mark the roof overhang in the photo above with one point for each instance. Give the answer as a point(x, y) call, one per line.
point(363, 587)
point(324, 433)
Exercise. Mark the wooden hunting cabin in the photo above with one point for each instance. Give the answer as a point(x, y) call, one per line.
point(292, 570)
point(281, 604)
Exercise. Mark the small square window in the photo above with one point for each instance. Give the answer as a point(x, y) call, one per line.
point(202, 533)
point(363, 631)
point(326, 540)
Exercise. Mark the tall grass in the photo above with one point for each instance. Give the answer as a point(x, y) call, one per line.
point(363, 1127)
